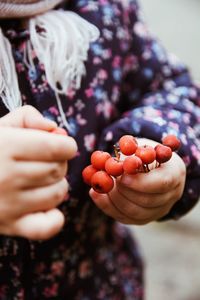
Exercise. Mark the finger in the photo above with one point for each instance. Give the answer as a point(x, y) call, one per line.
point(159, 180)
point(38, 226)
point(27, 117)
point(43, 198)
point(137, 212)
point(147, 200)
point(35, 174)
point(104, 203)
point(38, 145)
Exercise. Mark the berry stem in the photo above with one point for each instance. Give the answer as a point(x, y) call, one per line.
point(116, 150)
point(147, 168)
point(144, 167)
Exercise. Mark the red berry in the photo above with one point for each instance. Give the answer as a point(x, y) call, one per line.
point(114, 167)
point(101, 182)
point(171, 141)
point(163, 153)
point(127, 144)
point(87, 174)
point(59, 130)
point(146, 153)
point(98, 159)
point(132, 164)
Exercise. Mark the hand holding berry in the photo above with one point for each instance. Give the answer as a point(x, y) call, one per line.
point(144, 197)
point(32, 174)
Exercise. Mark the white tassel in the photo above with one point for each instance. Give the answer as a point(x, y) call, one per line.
point(61, 41)
point(9, 88)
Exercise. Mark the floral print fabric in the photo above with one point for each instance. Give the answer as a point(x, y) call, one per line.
point(131, 86)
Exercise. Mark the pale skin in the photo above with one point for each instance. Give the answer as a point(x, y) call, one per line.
point(32, 174)
point(144, 197)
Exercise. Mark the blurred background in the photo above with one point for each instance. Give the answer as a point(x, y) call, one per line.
point(172, 249)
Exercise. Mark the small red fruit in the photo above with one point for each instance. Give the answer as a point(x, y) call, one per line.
point(59, 130)
point(101, 182)
point(146, 153)
point(171, 141)
point(163, 153)
point(98, 159)
point(114, 167)
point(87, 174)
point(127, 144)
point(132, 164)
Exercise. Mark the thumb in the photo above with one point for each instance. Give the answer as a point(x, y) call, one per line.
point(27, 117)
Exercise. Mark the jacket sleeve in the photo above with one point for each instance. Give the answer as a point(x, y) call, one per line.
point(159, 97)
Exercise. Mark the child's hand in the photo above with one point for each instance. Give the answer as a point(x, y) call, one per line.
point(32, 175)
point(144, 197)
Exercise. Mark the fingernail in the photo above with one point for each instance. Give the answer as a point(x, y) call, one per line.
point(126, 180)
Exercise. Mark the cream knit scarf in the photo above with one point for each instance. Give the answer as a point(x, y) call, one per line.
point(61, 46)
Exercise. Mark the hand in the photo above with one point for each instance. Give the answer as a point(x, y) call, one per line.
point(32, 174)
point(144, 197)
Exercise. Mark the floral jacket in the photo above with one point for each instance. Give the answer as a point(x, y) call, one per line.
point(131, 86)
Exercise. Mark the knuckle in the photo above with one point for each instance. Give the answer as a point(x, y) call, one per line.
point(29, 109)
point(55, 149)
point(166, 183)
point(145, 201)
point(61, 148)
point(52, 148)
point(63, 166)
point(65, 185)
point(58, 196)
point(56, 172)
point(61, 191)
point(130, 211)
point(72, 147)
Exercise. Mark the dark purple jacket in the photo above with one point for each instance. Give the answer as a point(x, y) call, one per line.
point(131, 86)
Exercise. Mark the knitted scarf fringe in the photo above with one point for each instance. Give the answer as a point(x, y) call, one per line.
point(60, 40)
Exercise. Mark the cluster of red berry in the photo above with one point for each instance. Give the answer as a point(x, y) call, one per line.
point(99, 174)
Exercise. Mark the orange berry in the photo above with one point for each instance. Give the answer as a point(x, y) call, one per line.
point(146, 153)
point(132, 164)
point(127, 144)
point(87, 174)
point(114, 167)
point(163, 153)
point(101, 182)
point(98, 159)
point(171, 141)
